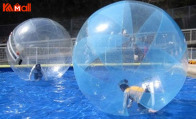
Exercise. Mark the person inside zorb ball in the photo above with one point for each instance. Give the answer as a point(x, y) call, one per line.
point(129, 58)
point(39, 48)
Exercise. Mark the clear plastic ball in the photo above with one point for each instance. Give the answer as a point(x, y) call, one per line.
point(39, 41)
point(134, 42)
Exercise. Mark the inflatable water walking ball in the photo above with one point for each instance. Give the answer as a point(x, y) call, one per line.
point(39, 41)
point(134, 42)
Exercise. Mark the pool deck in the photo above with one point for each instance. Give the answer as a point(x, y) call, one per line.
point(191, 70)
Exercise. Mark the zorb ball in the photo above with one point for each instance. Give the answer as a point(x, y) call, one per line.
point(39, 41)
point(134, 42)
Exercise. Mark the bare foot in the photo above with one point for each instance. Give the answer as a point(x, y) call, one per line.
point(152, 111)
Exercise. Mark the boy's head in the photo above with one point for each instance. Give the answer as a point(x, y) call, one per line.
point(123, 84)
point(38, 66)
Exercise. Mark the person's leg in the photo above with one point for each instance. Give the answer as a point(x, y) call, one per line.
point(145, 98)
point(148, 91)
point(141, 108)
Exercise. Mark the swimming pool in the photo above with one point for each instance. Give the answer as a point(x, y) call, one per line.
point(61, 98)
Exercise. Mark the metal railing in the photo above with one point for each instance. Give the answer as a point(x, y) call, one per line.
point(184, 16)
point(3, 57)
point(192, 53)
point(190, 36)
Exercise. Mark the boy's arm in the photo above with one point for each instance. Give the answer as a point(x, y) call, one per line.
point(125, 102)
point(130, 103)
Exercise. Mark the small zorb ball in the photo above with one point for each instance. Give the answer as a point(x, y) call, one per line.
point(130, 52)
point(39, 42)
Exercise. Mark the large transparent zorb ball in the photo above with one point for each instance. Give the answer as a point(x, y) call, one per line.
point(135, 41)
point(39, 41)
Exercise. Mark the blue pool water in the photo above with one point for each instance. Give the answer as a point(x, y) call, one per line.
point(62, 99)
